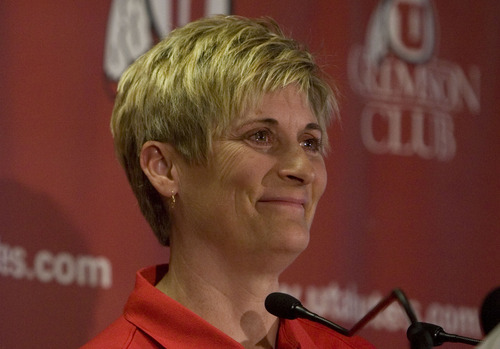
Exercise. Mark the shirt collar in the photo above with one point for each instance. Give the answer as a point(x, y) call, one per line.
point(166, 320)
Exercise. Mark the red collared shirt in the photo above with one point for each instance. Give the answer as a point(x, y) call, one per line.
point(152, 320)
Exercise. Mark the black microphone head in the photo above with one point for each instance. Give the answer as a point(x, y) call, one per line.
point(419, 336)
point(282, 305)
point(490, 311)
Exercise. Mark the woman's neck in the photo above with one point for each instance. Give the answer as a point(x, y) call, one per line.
point(228, 297)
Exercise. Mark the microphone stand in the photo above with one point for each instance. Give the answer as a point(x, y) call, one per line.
point(420, 334)
point(420, 337)
point(396, 294)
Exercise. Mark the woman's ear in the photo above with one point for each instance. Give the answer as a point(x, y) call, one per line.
point(158, 164)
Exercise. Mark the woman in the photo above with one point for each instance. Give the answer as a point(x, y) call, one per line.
point(221, 129)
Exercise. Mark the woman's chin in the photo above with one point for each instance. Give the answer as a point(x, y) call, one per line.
point(292, 244)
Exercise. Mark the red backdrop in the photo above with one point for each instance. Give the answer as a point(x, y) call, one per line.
point(413, 198)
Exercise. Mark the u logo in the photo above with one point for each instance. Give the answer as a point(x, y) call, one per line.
point(404, 27)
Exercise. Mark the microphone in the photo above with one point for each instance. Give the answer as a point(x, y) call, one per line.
point(420, 334)
point(284, 306)
point(490, 311)
point(437, 334)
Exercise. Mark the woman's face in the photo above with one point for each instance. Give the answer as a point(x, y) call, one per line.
point(259, 191)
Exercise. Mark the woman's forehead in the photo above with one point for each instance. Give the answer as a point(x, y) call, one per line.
point(289, 101)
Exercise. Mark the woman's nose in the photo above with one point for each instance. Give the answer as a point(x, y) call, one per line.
point(295, 165)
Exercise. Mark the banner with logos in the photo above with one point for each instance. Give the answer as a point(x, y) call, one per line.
point(413, 197)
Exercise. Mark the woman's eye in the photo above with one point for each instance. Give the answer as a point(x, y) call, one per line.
point(261, 137)
point(312, 144)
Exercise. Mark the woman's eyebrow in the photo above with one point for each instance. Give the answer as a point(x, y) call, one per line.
point(274, 122)
point(269, 121)
point(313, 126)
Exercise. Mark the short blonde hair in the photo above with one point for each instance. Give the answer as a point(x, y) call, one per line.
point(189, 87)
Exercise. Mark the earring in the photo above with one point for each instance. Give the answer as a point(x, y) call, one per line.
point(172, 200)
